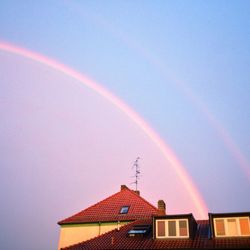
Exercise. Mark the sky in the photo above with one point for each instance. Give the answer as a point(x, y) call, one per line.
point(167, 81)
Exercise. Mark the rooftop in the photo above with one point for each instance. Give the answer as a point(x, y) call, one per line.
point(125, 205)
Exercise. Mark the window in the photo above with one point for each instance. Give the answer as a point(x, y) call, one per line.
point(244, 226)
point(139, 230)
point(124, 210)
point(171, 228)
point(232, 227)
point(235, 226)
point(220, 227)
point(161, 228)
point(177, 228)
point(183, 228)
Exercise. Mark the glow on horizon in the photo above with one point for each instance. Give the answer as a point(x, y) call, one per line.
point(167, 152)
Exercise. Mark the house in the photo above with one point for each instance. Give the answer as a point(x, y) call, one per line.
point(114, 212)
point(127, 221)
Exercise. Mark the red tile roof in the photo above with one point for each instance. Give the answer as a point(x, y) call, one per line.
point(120, 240)
point(142, 212)
point(229, 243)
point(109, 209)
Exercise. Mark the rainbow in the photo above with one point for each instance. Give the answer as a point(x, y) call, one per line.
point(154, 137)
point(224, 135)
point(228, 141)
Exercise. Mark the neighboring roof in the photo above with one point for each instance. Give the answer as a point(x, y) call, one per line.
point(120, 240)
point(108, 210)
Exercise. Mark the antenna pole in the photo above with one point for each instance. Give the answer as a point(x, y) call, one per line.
point(137, 172)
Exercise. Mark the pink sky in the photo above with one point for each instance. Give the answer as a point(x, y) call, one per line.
point(67, 147)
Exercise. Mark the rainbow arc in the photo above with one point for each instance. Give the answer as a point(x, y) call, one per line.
point(167, 152)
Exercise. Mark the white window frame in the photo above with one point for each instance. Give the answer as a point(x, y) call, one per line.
point(177, 229)
point(225, 219)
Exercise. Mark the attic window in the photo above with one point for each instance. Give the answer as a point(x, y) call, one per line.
point(124, 210)
point(174, 228)
point(139, 230)
point(232, 226)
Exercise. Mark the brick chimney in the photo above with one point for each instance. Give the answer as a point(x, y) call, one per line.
point(137, 192)
point(162, 207)
point(123, 187)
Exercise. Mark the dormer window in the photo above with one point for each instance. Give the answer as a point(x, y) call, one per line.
point(172, 228)
point(124, 210)
point(231, 226)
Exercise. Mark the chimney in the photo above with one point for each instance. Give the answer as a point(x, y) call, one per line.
point(123, 187)
point(162, 207)
point(137, 192)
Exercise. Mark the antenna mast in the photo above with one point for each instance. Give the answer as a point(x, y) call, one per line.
point(137, 172)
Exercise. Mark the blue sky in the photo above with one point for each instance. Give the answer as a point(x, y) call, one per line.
point(176, 63)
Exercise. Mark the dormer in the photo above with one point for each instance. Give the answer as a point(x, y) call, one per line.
point(229, 225)
point(174, 226)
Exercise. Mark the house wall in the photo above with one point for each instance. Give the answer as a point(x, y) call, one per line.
point(75, 233)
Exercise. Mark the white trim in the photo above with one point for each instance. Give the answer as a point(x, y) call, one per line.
point(225, 220)
point(167, 231)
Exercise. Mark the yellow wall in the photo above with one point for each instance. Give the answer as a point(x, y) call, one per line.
point(72, 234)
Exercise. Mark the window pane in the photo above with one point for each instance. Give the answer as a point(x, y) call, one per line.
point(232, 227)
point(124, 210)
point(183, 228)
point(244, 226)
point(220, 227)
point(161, 228)
point(171, 228)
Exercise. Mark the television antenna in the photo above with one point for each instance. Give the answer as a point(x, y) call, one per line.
point(137, 172)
